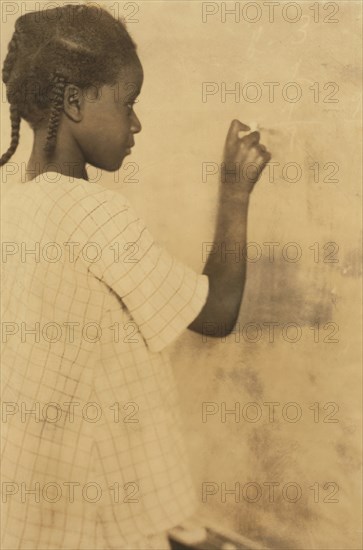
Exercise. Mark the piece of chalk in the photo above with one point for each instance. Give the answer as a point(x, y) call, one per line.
point(254, 126)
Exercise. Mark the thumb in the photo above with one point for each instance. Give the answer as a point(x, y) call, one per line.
point(235, 127)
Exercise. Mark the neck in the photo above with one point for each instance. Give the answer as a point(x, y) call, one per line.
point(67, 159)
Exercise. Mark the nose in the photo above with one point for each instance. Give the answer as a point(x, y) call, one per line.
point(136, 124)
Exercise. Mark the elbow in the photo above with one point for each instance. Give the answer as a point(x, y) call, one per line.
point(229, 319)
point(229, 328)
point(220, 329)
point(228, 331)
point(218, 321)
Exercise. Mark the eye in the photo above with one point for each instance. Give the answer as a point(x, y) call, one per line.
point(131, 104)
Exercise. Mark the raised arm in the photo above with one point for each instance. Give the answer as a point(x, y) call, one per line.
point(244, 160)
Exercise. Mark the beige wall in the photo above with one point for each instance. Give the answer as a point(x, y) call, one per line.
point(180, 132)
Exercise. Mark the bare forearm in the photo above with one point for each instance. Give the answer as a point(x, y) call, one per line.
point(226, 265)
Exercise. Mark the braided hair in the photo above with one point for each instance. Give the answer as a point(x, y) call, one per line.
point(73, 44)
point(55, 113)
point(14, 111)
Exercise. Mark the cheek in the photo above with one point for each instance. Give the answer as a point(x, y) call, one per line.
point(101, 125)
point(103, 137)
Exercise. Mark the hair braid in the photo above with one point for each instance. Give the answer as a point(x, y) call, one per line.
point(10, 58)
point(14, 111)
point(15, 134)
point(55, 113)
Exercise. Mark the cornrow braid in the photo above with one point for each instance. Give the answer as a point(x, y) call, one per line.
point(14, 111)
point(59, 84)
point(15, 134)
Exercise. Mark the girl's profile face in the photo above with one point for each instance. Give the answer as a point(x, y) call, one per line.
point(106, 134)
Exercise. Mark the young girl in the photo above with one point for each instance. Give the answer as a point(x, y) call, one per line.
point(93, 454)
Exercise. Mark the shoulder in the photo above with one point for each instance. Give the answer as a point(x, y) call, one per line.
point(77, 199)
point(87, 196)
point(94, 210)
point(67, 193)
point(74, 206)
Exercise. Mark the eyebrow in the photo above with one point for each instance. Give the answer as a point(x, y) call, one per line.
point(136, 92)
point(132, 94)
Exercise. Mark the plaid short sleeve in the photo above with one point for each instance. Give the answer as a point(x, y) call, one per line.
point(161, 293)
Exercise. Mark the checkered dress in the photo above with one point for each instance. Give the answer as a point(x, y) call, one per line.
point(92, 447)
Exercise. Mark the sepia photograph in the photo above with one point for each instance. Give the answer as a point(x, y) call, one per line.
point(181, 275)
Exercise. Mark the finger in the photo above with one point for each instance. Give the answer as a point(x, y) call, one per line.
point(254, 168)
point(267, 157)
point(257, 157)
point(263, 152)
point(252, 152)
point(252, 139)
point(235, 127)
point(263, 160)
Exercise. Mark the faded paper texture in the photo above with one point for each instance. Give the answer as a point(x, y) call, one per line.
point(272, 412)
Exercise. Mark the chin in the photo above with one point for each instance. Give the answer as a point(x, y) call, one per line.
point(111, 166)
point(116, 165)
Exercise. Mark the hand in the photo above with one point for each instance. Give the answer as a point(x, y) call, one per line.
point(244, 158)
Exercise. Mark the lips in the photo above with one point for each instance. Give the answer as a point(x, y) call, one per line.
point(128, 149)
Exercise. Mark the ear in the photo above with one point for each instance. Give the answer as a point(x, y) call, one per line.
point(74, 102)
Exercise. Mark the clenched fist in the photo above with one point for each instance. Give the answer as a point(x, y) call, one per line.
point(244, 158)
